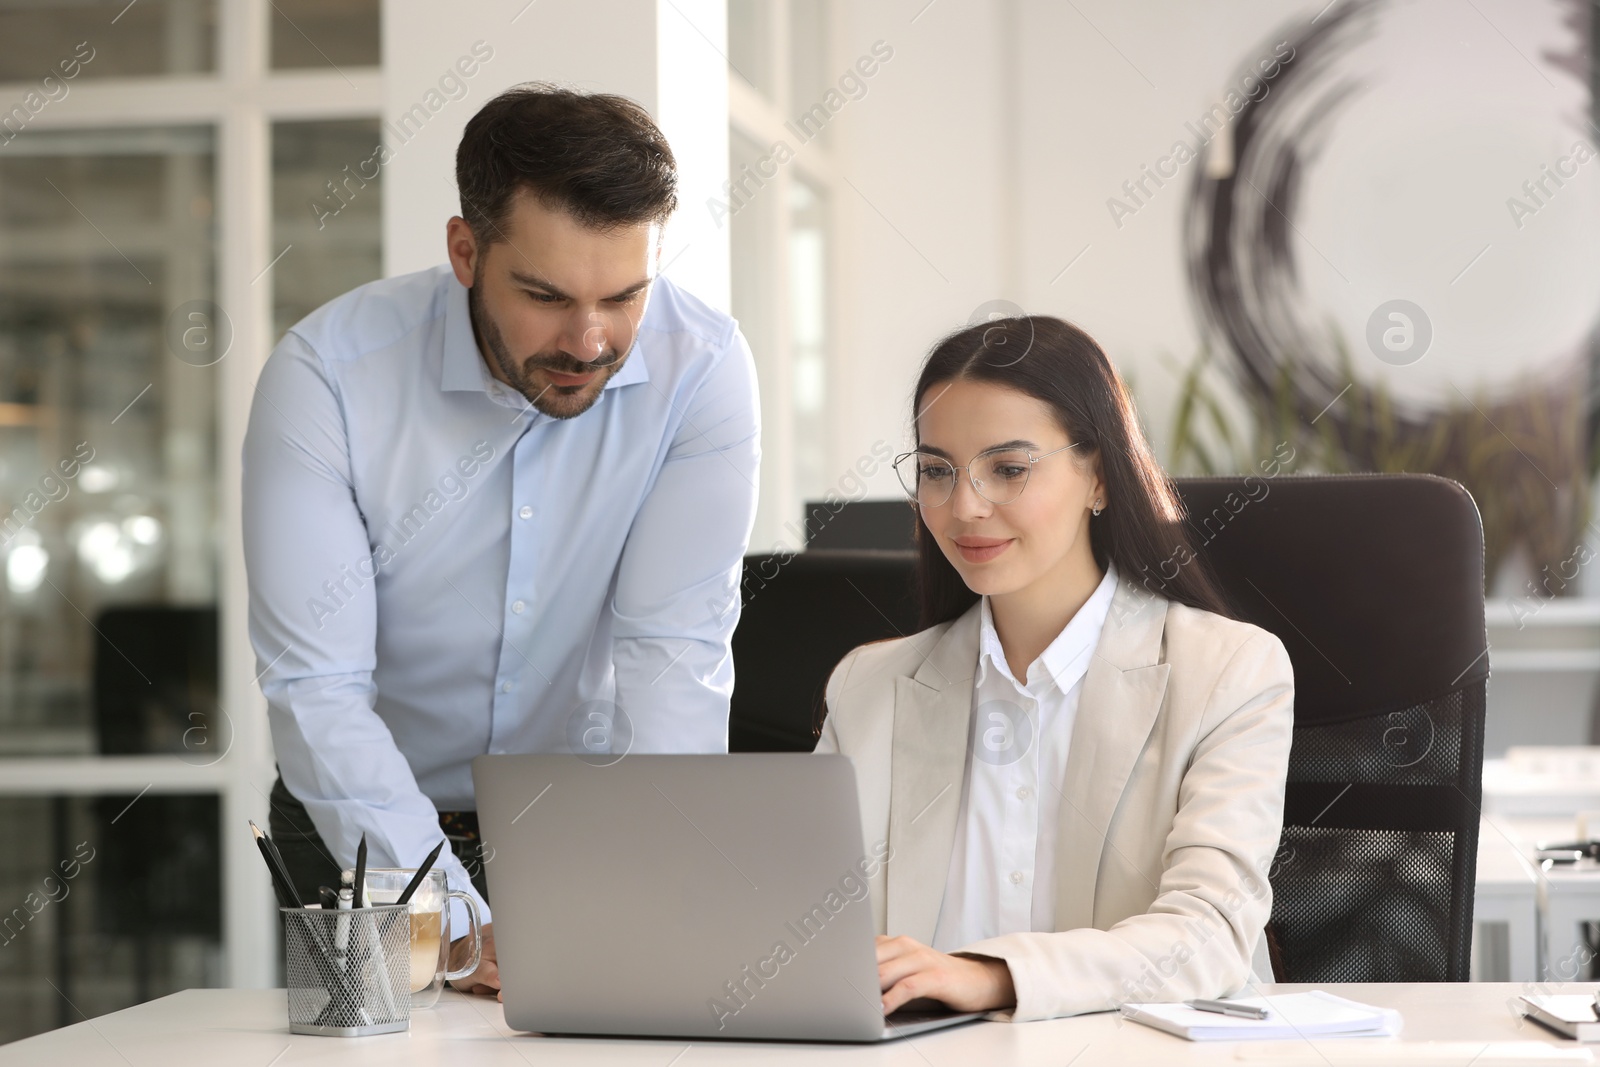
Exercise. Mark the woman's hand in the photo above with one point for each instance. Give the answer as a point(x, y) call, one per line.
point(908, 969)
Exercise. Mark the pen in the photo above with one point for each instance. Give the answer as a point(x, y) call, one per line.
point(1228, 1007)
point(422, 872)
point(1596, 1005)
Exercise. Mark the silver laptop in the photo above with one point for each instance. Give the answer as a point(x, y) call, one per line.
point(685, 896)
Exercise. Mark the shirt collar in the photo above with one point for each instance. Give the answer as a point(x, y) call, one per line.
point(465, 371)
point(1066, 659)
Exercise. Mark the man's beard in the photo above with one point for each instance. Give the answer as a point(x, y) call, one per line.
point(557, 401)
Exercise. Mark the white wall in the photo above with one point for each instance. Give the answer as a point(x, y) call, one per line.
point(666, 54)
point(1411, 185)
point(924, 228)
point(991, 142)
point(994, 138)
point(1098, 101)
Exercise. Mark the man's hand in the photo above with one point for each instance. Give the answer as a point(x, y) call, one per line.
point(486, 979)
point(908, 970)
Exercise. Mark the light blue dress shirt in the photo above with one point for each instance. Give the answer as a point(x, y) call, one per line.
point(437, 570)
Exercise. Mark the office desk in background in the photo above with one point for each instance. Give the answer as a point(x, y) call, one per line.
point(1569, 895)
point(1509, 894)
point(250, 1026)
point(1537, 794)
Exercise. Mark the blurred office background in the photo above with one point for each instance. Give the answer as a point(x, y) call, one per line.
point(181, 180)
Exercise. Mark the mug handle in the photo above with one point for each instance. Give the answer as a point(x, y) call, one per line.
point(476, 923)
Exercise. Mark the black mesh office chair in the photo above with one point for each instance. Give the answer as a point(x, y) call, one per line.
point(798, 620)
point(1375, 585)
point(875, 524)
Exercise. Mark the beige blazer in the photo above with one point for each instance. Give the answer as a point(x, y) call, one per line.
point(1171, 804)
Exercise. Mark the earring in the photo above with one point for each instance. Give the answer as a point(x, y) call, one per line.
point(1098, 508)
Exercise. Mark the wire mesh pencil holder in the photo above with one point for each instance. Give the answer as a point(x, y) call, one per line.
point(349, 972)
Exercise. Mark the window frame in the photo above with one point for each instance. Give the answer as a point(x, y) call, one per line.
point(751, 114)
point(240, 101)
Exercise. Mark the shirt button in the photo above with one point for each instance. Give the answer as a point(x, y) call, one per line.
point(525, 512)
point(505, 687)
point(517, 607)
point(1024, 793)
point(1016, 877)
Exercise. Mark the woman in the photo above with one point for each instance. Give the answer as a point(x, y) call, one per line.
point(1078, 764)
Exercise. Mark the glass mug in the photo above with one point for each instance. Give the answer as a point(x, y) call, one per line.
point(430, 927)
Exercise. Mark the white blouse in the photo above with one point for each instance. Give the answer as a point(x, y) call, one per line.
point(1002, 867)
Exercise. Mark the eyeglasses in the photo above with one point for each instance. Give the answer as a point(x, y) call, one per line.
point(998, 475)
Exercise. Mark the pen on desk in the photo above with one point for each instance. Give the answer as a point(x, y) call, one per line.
point(1228, 1007)
point(359, 885)
point(281, 882)
point(1596, 1005)
point(422, 872)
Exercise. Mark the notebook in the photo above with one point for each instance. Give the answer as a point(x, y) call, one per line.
point(1290, 1015)
point(1568, 1014)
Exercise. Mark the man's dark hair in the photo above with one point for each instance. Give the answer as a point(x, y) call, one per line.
point(598, 156)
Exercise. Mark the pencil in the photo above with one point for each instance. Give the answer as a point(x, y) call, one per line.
point(422, 872)
point(281, 882)
point(361, 873)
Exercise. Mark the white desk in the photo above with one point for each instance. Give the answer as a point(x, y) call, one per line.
point(1537, 794)
point(1572, 897)
point(1568, 895)
point(1508, 892)
point(250, 1027)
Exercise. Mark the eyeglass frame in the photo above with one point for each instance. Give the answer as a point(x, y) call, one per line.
point(1032, 459)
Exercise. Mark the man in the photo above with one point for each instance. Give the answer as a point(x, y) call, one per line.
point(499, 505)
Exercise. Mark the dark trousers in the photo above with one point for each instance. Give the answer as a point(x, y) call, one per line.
point(311, 864)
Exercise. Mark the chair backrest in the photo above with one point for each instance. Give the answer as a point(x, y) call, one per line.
point(876, 524)
point(801, 614)
point(1374, 583)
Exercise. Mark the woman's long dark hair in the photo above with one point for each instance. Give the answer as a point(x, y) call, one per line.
point(1141, 530)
